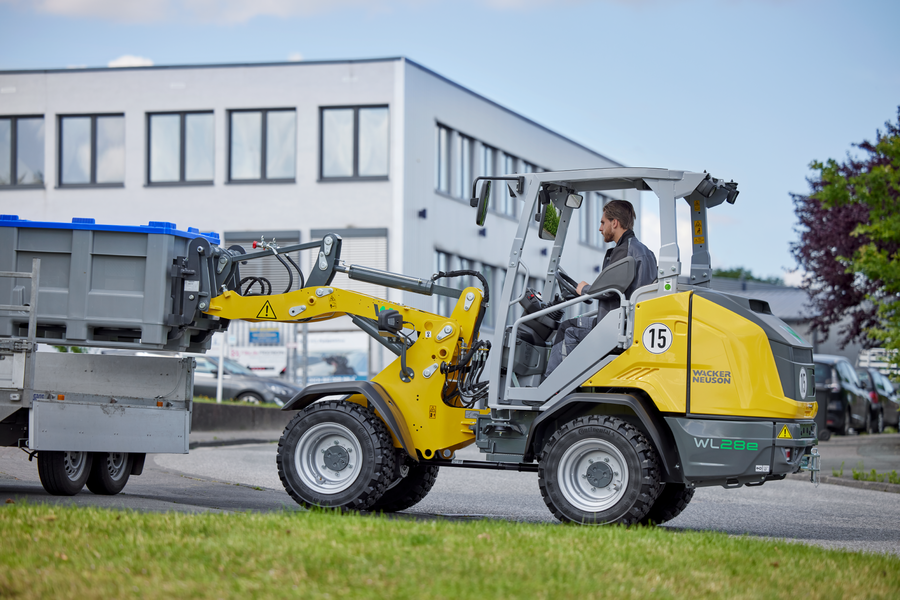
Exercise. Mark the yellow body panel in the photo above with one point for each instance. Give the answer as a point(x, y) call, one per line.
point(739, 377)
point(662, 376)
point(434, 426)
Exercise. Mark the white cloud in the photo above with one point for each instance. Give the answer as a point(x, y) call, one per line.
point(794, 278)
point(295, 57)
point(129, 60)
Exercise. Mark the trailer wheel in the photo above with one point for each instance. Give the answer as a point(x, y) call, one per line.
point(599, 470)
point(672, 500)
point(336, 454)
point(409, 489)
point(110, 473)
point(64, 473)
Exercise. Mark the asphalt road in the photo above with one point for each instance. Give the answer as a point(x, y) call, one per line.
point(244, 477)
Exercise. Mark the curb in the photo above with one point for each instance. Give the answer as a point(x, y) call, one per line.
point(862, 485)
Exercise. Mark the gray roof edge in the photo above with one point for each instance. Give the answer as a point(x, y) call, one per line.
point(317, 62)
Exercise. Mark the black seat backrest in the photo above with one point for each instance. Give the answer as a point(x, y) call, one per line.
point(617, 276)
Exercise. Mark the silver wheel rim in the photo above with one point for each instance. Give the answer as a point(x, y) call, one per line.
point(586, 464)
point(328, 458)
point(74, 463)
point(115, 464)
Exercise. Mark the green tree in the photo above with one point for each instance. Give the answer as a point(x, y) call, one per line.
point(745, 274)
point(872, 183)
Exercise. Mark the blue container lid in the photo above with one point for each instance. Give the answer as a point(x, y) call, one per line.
point(88, 224)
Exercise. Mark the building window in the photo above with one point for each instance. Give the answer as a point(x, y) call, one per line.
point(589, 222)
point(180, 148)
point(354, 142)
point(22, 151)
point(92, 150)
point(262, 145)
point(464, 167)
point(442, 157)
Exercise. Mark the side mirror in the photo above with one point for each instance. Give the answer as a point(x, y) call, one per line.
point(574, 200)
point(549, 222)
point(484, 199)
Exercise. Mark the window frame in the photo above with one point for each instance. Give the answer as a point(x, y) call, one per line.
point(356, 176)
point(182, 148)
point(59, 152)
point(14, 153)
point(263, 150)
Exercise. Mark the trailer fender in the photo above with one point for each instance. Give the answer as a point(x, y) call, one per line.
point(649, 421)
point(380, 400)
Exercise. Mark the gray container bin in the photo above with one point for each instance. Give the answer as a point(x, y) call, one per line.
point(101, 285)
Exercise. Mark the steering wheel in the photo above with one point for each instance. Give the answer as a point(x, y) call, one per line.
point(567, 285)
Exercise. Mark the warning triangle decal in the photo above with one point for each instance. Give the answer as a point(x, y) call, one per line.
point(785, 434)
point(266, 312)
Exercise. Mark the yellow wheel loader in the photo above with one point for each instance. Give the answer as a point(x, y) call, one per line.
point(679, 386)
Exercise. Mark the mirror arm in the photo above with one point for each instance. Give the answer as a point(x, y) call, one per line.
point(520, 186)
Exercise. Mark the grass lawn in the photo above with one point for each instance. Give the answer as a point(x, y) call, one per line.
point(60, 552)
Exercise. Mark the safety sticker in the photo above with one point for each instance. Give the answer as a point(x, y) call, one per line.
point(700, 240)
point(266, 312)
point(785, 434)
point(697, 205)
point(762, 468)
point(657, 338)
point(432, 411)
point(698, 227)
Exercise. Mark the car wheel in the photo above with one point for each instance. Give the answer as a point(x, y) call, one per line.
point(250, 397)
point(879, 422)
point(845, 426)
point(64, 473)
point(867, 426)
point(109, 473)
point(336, 454)
point(598, 470)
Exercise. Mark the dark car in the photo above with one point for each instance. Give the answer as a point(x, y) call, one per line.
point(879, 394)
point(239, 382)
point(840, 393)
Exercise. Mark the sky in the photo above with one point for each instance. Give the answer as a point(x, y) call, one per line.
point(749, 90)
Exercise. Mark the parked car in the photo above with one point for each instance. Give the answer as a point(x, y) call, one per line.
point(879, 394)
point(892, 407)
point(840, 393)
point(239, 382)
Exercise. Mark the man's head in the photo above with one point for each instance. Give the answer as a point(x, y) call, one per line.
point(618, 217)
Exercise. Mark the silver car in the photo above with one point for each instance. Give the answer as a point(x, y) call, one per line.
point(239, 382)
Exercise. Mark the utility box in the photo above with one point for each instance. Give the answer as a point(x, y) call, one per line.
point(101, 285)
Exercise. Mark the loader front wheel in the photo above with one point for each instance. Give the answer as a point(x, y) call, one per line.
point(336, 454)
point(409, 489)
point(672, 500)
point(599, 470)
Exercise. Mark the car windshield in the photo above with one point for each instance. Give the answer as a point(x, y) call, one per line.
point(823, 373)
point(236, 368)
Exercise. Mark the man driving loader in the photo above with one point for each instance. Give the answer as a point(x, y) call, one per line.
point(616, 225)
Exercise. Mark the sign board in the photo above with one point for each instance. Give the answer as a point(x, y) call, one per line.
point(268, 337)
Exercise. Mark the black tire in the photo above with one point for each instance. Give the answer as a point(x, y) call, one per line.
point(250, 397)
point(824, 435)
point(867, 426)
point(845, 426)
point(336, 454)
point(878, 426)
point(594, 452)
point(109, 473)
point(64, 473)
point(409, 489)
point(672, 500)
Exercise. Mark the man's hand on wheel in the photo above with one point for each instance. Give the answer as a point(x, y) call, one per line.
point(581, 286)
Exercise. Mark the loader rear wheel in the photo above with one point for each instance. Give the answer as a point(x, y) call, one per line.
point(408, 490)
point(673, 498)
point(599, 470)
point(336, 454)
point(109, 473)
point(64, 473)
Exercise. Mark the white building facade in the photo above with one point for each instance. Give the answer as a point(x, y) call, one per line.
point(382, 151)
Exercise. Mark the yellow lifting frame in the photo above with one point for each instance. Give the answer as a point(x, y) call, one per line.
point(436, 428)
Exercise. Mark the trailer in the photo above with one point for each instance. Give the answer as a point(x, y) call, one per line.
point(91, 419)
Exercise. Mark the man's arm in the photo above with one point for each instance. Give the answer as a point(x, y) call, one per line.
point(581, 286)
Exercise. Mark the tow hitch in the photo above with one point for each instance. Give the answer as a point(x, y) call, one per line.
point(810, 462)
